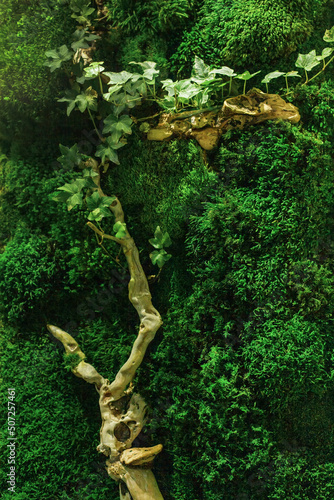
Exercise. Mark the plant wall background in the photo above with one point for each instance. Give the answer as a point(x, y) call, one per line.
point(240, 376)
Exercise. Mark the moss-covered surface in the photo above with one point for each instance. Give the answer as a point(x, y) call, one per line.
point(240, 376)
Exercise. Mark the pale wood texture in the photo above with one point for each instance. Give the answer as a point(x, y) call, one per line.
point(123, 412)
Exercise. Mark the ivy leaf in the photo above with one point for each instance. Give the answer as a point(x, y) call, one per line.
point(70, 97)
point(291, 74)
point(81, 37)
point(98, 214)
point(186, 89)
point(94, 69)
point(79, 5)
point(120, 229)
point(74, 200)
point(57, 57)
point(169, 85)
point(326, 52)
point(271, 76)
point(168, 103)
point(70, 157)
point(107, 150)
point(99, 206)
point(145, 64)
point(246, 75)
point(96, 201)
point(160, 257)
point(118, 78)
point(71, 193)
point(307, 61)
point(83, 16)
point(74, 187)
point(87, 100)
point(150, 74)
point(89, 173)
point(225, 70)
point(160, 239)
point(200, 69)
point(117, 126)
point(112, 90)
point(329, 35)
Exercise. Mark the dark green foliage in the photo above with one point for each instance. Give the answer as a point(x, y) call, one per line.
point(55, 423)
point(27, 92)
point(240, 376)
point(27, 271)
point(161, 184)
point(248, 34)
point(253, 342)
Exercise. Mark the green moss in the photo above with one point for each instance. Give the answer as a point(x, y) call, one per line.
point(250, 35)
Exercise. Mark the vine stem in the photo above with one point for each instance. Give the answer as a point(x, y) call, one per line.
point(322, 69)
point(95, 127)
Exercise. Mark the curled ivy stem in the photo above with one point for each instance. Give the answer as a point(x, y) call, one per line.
point(102, 233)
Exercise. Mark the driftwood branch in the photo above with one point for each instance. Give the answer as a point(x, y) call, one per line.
point(123, 413)
point(207, 125)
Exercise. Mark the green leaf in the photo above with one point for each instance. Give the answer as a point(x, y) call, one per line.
point(79, 5)
point(99, 206)
point(160, 257)
point(307, 61)
point(225, 70)
point(145, 64)
point(87, 100)
point(57, 57)
point(70, 97)
point(83, 16)
point(96, 201)
point(160, 239)
point(120, 229)
point(99, 213)
point(89, 172)
point(187, 90)
point(150, 74)
point(117, 126)
point(94, 69)
point(271, 76)
point(326, 52)
point(74, 187)
point(71, 193)
point(74, 200)
point(246, 75)
point(70, 157)
point(329, 35)
point(118, 78)
point(61, 197)
point(107, 150)
point(200, 69)
point(290, 74)
point(112, 90)
point(169, 85)
point(81, 37)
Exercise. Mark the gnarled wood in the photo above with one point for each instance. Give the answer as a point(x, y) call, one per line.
point(237, 112)
point(123, 413)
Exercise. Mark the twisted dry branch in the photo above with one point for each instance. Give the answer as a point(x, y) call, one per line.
point(123, 412)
